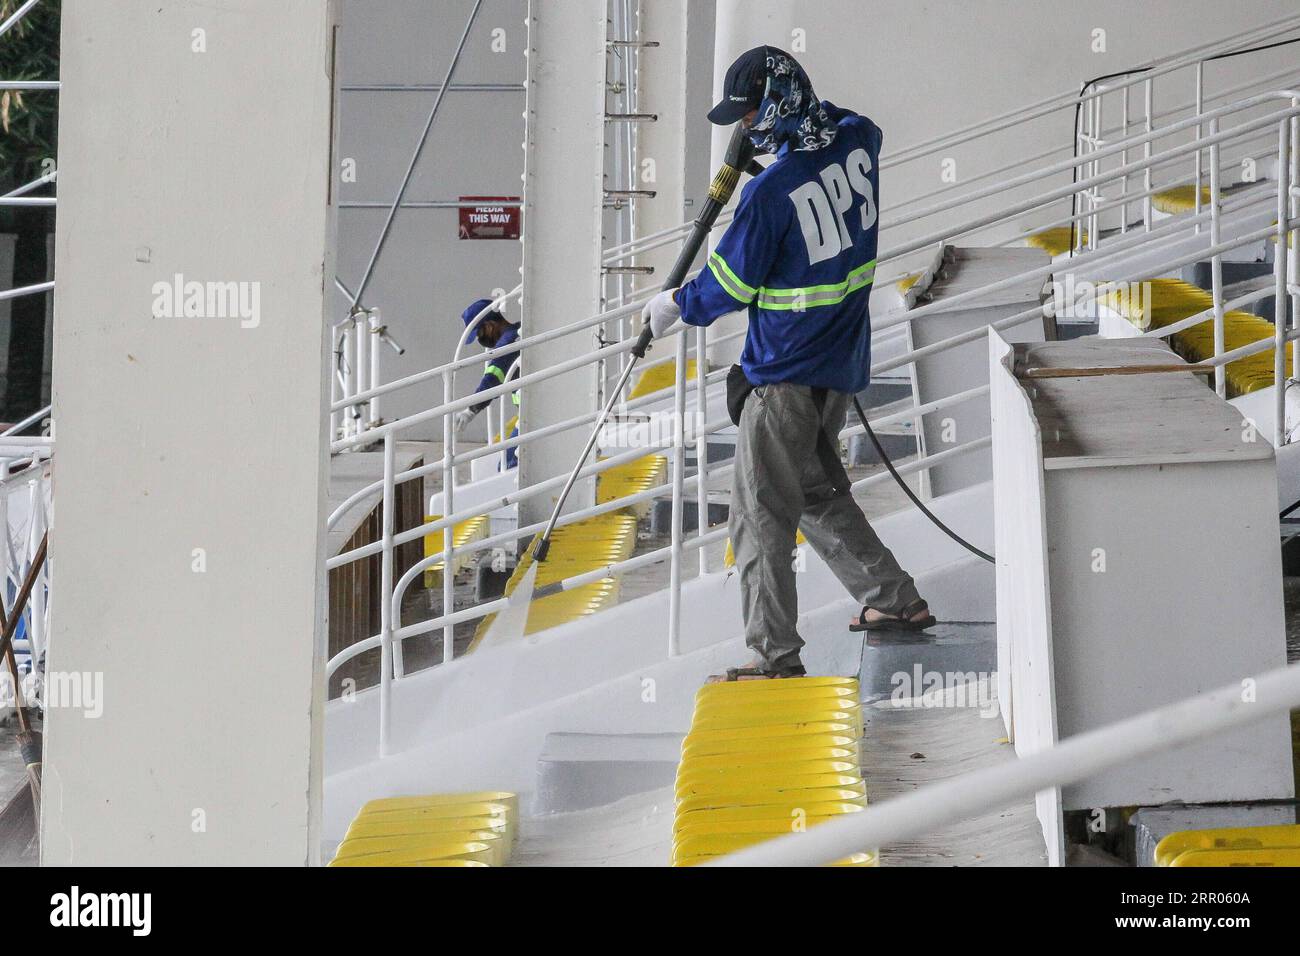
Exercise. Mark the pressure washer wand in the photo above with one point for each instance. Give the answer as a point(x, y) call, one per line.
point(739, 158)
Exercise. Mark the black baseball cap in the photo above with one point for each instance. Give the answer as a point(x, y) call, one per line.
point(743, 87)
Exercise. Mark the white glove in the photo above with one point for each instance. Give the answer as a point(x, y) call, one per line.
point(463, 418)
point(661, 313)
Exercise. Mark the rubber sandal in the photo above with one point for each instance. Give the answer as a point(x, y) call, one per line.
point(757, 672)
point(900, 622)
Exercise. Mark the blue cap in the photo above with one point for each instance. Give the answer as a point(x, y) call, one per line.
point(474, 308)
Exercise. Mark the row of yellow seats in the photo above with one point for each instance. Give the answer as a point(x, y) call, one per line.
point(584, 546)
point(630, 479)
point(1231, 846)
point(1155, 303)
point(448, 829)
point(1057, 240)
point(764, 758)
point(463, 534)
point(658, 377)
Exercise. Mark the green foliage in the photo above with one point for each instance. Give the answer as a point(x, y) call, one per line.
point(28, 120)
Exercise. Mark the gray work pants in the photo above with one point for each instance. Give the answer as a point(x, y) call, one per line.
point(780, 486)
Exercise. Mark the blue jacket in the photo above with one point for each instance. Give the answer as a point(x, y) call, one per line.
point(496, 369)
point(801, 255)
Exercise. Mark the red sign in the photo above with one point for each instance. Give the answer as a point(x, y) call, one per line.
point(486, 217)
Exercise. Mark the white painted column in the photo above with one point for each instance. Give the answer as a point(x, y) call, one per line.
point(563, 199)
point(188, 538)
point(662, 145)
point(731, 38)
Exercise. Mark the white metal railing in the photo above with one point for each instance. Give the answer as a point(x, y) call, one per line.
point(1087, 103)
point(1164, 247)
point(26, 463)
point(26, 504)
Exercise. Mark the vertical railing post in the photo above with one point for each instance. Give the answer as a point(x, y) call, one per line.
point(1293, 240)
point(386, 648)
point(36, 533)
point(1148, 126)
point(1200, 107)
point(679, 478)
point(449, 532)
point(1123, 162)
point(701, 440)
point(1216, 261)
point(503, 413)
point(373, 328)
point(336, 384)
point(1095, 219)
point(361, 329)
point(1280, 281)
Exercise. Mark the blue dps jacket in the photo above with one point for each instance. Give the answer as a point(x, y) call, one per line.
point(496, 369)
point(801, 255)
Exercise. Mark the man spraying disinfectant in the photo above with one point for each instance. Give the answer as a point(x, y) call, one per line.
point(492, 332)
point(800, 257)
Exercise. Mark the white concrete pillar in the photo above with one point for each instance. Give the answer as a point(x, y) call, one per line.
point(188, 543)
point(661, 81)
point(563, 205)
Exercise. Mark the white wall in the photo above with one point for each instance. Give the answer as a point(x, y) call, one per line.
point(426, 275)
point(189, 539)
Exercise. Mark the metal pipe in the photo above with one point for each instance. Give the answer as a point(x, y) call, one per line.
point(449, 532)
point(1200, 105)
point(1146, 152)
point(679, 476)
point(432, 88)
point(33, 185)
point(17, 16)
point(385, 607)
point(27, 290)
point(1293, 242)
point(1279, 272)
point(27, 422)
point(1216, 261)
point(29, 86)
point(701, 440)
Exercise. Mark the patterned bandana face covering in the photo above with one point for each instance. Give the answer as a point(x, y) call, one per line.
point(790, 113)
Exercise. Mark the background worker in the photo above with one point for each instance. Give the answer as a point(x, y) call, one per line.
point(492, 332)
point(800, 256)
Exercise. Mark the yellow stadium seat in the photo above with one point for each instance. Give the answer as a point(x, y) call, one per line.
point(1230, 838)
point(464, 534)
point(578, 548)
point(659, 377)
point(1179, 199)
point(1155, 303)
point(420, 855)
point(1056, 241)
point(763, 758)
point(1274, 856)
point(432, 830)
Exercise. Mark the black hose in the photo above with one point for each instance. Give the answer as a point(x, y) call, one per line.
point(862, 417)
